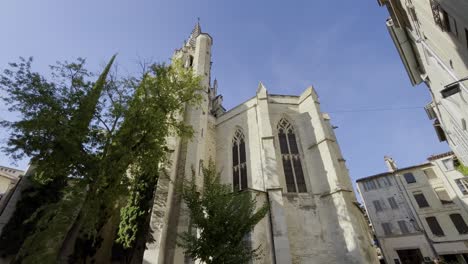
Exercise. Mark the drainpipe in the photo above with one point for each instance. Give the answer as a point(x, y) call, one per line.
point(270, 220)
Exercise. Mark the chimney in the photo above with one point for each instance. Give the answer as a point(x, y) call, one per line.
point(391, 164)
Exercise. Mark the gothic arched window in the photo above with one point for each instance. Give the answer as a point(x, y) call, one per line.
point(290, 156)
point(239, 163)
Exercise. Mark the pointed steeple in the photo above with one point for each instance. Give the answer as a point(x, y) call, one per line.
point(261, 91)
point(195, 33)
point(215, 86)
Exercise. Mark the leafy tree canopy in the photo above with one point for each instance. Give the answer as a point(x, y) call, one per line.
point(222, 219)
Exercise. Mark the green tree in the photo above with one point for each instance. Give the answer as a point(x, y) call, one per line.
point(97, 148)
point(53, 131)
point(222, 218)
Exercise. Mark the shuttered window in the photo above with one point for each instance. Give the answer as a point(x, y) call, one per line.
point(403, 227)
point(443, 196)
point(393, 203)
point(459, 223)
point(430, 174)
point(239, 163)
point(434, 226)
point(377, 205)
point(387, 228)
point(421, 200)
point(462, 185)
point(292, 166)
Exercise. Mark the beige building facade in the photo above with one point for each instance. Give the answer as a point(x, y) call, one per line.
point(431, 37)
point(8, 178)
point(281, 148)
point(418, 213)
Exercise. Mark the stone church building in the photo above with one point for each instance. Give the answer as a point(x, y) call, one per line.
point(281, 148)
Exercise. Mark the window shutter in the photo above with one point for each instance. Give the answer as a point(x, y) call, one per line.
point(403, 227)
point(377, 205)
point(443, 196)
point(393, 203)
point(387, 228)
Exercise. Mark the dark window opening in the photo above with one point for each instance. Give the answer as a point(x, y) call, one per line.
point(292, 166)
point(459, 223)
point(466, 37)
point(446, 20)
point(450, 89)
point(421, 200)
point(439, 131)
point(409, 177)
point(239, 162)
point(434, 226)
point(190, 60)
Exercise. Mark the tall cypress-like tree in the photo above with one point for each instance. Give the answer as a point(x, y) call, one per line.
point(56, 147)
point(222, 219)
point(101, 154)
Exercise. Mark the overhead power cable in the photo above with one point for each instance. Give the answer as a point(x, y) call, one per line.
point(376, 109)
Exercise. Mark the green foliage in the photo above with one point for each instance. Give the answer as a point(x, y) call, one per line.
point(222, 218)
point(109, 137)
point(20, 227)
point(129, 168)
point(53, 129)
point(53, 223)
point(462, 169)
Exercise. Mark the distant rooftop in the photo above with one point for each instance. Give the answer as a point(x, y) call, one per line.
point(430, 158)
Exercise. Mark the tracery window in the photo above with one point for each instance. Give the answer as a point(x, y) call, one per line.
point(239, 163)
point(290, 156)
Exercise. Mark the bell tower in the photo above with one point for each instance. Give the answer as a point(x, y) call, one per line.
point(189, 154)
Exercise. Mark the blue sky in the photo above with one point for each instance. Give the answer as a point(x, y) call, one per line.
point(342, 48)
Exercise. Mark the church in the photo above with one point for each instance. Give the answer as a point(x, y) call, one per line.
point(281, 148)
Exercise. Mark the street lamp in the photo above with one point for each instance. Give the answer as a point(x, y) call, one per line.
point(452, 88)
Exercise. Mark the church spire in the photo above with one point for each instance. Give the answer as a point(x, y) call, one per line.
point(195, 33)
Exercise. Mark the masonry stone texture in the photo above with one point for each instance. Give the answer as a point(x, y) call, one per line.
point(322, 224)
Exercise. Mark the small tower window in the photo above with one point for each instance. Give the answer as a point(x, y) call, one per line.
point(239, 163)
point(190, 61)
point(292, 165)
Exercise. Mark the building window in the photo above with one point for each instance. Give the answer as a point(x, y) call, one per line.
point(466, 37)
point(421, 200)
point(292, 165)
point(462, 185)
point(409, 177)
point(443, 196)
point(430, 174)
point(190, 61)
point(369, 185)
point(393, 203)
point(459, 223)
point(434, 226)
point(436, 12)
point(384, 182)
point(403, 227)
point(387, 228)
point(239, 163)
point(448, 164)
point(445, 20)
point(378, 206)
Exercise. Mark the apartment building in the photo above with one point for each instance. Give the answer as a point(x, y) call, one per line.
point(431, 37)
point(419, 213)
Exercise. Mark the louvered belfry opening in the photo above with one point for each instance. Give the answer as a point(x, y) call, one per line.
point(291, 158)
point(239, 162)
